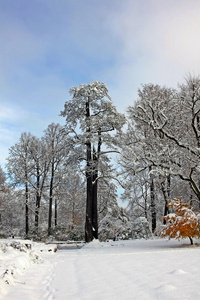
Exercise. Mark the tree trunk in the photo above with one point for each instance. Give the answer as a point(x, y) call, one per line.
point(51, 199)
point(37, 204)
point(26, 201)
point(26, 211)
point(95, 186)
point(168, 186)
point(88, 222)
point(94, 197)
point(146, 201)
point(73, 208)
point(145, 209)
point(153, 204)
point(56, 213)
point(191, 240)
point(165, 186)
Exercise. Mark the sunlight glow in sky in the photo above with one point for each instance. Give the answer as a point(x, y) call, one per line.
point(48, 46)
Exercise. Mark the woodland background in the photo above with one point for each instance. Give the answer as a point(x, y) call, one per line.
point(152, 154)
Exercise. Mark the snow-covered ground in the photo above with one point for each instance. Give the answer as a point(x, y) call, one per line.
point(138, 269)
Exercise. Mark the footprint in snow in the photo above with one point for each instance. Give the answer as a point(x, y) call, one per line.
point(177, 272)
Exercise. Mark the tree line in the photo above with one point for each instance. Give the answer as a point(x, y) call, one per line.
point(154, 157)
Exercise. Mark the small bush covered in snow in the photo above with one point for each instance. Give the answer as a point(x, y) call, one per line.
point(141, 229)
point(115, 226)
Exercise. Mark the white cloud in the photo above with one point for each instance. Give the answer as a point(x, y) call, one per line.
point(160, 45)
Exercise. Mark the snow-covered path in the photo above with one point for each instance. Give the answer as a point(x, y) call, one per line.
point(152, 269)
point(129, 270)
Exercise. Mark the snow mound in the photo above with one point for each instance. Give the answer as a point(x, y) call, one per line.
point(177, 272)
point(16, 256)
point(93, 244)
point(166, 291)
point(166, 288)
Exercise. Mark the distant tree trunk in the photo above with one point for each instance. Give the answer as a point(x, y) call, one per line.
point(51, 199)
point(73, 208)
point(37, 204)
point(153, 204)
point(53, 146)
point(94, 196)
point(166, 210)
point(56, 213)
point(145, 209)
point(145, 196)
point(26, 210)
point(74, 200)
point(26, 198)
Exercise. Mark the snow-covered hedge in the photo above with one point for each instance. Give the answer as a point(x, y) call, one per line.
point(16, 256)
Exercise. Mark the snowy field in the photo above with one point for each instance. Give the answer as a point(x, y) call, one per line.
point(138, 269)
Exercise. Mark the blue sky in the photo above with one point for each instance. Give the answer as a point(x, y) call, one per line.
point(48, 46)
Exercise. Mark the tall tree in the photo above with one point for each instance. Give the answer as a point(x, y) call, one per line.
point(40, 161)
point(19, 168)
point(2, 179)
point(71, 199)
point(164, 135)
point(2, 190)
point(53, 140)
point(174, 119)
point(146, 150)
point(91, 117)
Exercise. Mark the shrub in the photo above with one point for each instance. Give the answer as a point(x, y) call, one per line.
point(183, 223)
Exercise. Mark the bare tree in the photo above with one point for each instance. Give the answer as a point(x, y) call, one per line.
point(53, 140)
point(174, 119)
point(19, 168)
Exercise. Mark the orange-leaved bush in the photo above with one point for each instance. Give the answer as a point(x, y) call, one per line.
point(183, 223)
